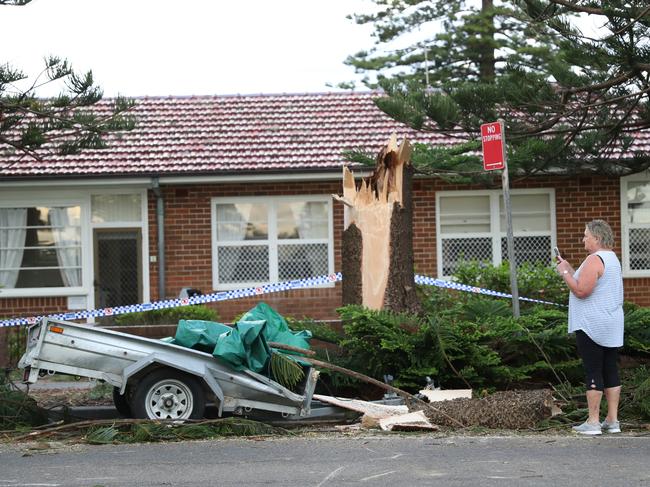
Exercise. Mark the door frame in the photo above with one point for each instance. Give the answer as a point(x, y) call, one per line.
point(95, 233)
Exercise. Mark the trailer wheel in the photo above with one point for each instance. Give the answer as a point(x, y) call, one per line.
point(121, 403)
point(168, 394)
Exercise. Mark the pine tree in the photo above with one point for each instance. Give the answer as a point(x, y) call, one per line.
point(65, 124)
point(572, 101)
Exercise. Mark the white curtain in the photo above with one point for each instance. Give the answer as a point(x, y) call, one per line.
point(13, 222)
point(305, 216)
point(67, 252)
point(232, 220)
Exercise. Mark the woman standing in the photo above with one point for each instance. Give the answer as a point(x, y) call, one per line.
point(596, 317)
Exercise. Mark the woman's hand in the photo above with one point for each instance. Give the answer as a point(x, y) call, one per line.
point(563, 267)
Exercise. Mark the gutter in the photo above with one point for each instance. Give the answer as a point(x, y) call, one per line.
point(160, 222)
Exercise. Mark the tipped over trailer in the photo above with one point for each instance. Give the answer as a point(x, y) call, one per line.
point(155, 379)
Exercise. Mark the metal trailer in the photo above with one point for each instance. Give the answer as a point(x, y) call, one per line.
point(155, 379)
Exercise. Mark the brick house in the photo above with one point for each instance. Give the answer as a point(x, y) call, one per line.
point(219, 193)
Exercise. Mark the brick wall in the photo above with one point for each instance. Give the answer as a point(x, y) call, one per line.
point(188, 247)
point(189, 253)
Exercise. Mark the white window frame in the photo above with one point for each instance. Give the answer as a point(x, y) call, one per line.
point(625, 226)
point(496, 233)
point(78, 197)
point(272, 240)
point(143, 225)
point(49, 200)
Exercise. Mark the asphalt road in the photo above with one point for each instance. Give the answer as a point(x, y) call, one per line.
point(338, 460)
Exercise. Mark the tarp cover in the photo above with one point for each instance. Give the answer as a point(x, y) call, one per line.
point(244, 346)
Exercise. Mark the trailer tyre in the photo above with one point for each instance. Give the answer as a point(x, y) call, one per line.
point(121, 403)
point(168, 394)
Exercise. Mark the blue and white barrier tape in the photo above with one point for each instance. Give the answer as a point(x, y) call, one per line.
point(430, 281)
point(243, 293)
point(174, 303)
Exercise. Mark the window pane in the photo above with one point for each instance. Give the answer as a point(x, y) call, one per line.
point(40, 241)
point(242, 221)
point(638, 202)
point(464, 214)
point(530, 213)
point(116, 208)
point(243, 264)
point(534, 250)
point(39, 278)
point(456, 250)
point(302, 219)
point(299, 261)
point(40, 258)
point(639, 249)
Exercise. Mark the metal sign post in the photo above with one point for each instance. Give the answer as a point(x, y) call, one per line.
point(494, 157)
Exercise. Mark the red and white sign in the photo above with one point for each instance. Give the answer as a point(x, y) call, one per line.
point(494, 144)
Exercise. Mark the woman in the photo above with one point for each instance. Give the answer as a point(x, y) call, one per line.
point(596, 317)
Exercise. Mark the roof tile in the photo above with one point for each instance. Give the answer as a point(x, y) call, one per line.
point(219, 134)
point(226, 134)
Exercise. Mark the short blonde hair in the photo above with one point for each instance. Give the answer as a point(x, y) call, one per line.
point(601, 230)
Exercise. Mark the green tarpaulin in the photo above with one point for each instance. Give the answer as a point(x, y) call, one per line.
point(244, 346)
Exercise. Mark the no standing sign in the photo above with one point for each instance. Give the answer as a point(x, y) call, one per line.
point(494, 144)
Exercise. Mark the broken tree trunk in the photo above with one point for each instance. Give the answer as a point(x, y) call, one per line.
point(378, 235)
point(519, 409)
point(506, 409)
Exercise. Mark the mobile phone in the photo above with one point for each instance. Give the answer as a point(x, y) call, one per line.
point(556, 251)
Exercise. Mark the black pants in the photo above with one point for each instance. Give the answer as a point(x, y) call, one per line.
point(600, 363)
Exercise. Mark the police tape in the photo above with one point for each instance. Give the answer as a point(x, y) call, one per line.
point(430, 281)
point(243, 293)
point(174, 303)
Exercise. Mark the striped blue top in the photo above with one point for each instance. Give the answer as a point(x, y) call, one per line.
point(600, 315)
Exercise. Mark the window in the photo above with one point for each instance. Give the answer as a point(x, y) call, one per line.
point(262, 240)
point(635, 215)
point(47, 239)
point(471, 225)
point(40, 247)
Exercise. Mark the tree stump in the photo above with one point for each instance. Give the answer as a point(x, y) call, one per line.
point(506, 409)
point(377, 242)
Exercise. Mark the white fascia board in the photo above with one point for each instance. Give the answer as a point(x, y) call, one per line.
point(255, 178)
point(77, 182)
point(171, 180)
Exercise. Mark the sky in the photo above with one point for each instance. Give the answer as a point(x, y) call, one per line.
point(190, 47)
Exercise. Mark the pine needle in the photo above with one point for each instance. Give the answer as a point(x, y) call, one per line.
point(286, 370)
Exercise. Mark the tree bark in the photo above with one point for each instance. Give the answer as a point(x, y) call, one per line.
point(378, 236)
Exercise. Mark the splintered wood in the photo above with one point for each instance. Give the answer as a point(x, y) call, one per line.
point(378, 234)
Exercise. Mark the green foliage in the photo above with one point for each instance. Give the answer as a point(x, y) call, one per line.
point(65, 124)
point(163, 431)
point(636, 387)
point(472, 341)
point(16, 343)
point(319, 330)
point(571, 100)
point(637, 331)
point(380, 342)
point(285, 370)
point(168, 316)
point(534, 281)
point(466, 340)
point(17, 409)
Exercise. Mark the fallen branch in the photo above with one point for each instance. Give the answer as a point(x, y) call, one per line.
point(283, 346)
point(410, 399)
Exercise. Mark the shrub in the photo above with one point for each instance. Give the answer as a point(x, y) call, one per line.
point(168, 316)
point(533, 281)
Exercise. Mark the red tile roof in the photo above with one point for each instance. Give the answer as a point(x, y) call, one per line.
point(231, 134)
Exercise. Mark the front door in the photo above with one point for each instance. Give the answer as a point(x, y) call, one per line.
point(118, 266)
